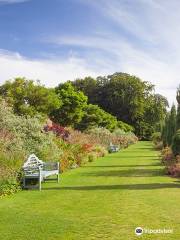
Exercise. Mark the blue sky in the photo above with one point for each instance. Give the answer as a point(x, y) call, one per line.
point(57, 40)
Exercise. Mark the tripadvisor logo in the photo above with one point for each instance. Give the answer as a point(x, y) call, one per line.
point(138, 231)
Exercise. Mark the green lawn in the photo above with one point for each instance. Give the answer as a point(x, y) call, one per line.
point(106, 199)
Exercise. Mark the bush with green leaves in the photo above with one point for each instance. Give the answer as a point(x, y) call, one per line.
point(176, 143)
point(19, 137)
point(118, 137)
point(28, 97)
point(156, 137)
point(10, 165)
point(76, 112)
point(28, 134)
point(79, 148)
point(71, 110)
point(94, 116)
point(9, 186)
point(125, 127)
point(102, 135)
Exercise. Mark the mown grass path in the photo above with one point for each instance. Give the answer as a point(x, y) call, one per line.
point(106, 199)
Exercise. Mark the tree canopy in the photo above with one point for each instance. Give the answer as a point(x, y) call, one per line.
point(128, 98)
point(28, 97)
point(73, 102)
point(94, 116)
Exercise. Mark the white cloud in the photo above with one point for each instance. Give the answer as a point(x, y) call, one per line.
point(120, 55)
point(125, 58)
point(151, 50)
point(12, 1)
point(50, 72)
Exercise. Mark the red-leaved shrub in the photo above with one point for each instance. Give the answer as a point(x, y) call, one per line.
point(167, 156)
point(58, 130)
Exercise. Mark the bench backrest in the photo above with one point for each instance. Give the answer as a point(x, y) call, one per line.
point(113, 148)
point(50, 166)
point(33, 165)
point(33, 162)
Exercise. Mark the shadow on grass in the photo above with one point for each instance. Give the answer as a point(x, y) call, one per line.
point(124, 166)
point(135, 156)
point(149, 186)
point(136, 151)
point(127, 173)
point(145, 148)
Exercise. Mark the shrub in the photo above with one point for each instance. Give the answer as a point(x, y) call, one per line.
point(9, 182)
point(26, 133)
point(79, 148)
point(171, 162)
point(125, 138)
point(104, 137)
point(99, 150)
point(94, 116)
point(19, 137)
point(157, 140)
point(156, 137)
point(58, 130)
point(125, 127)
point(73, 155)
point(174, 170)
point(159, 146)
point(28, 97)
point(78, 137)
point(167, 156)
point(176, 143)
point(91, 157)
point(9, 186)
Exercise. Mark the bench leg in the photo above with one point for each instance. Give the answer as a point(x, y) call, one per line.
point(57, 177)
point(24, 182)
point(39, 183)
point(58, 172)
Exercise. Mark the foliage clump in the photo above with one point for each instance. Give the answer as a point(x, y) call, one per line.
point(19, 137)
point(128, 98)
point(169, 139)
point(118, 137)
point(29, 98)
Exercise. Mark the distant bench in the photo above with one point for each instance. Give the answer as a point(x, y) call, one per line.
point(35, 169)
point(113, 148)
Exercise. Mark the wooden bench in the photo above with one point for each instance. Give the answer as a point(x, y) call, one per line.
point(35, 170)
point(113, 148)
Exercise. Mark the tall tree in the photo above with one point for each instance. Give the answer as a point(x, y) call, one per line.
point(88, 86)
point(171, 126)
point(128, 98)
point(155, 112)
point(94, 116)
point(73, 103)
point(178, 108)
point(165, 130)
point(28, 97)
